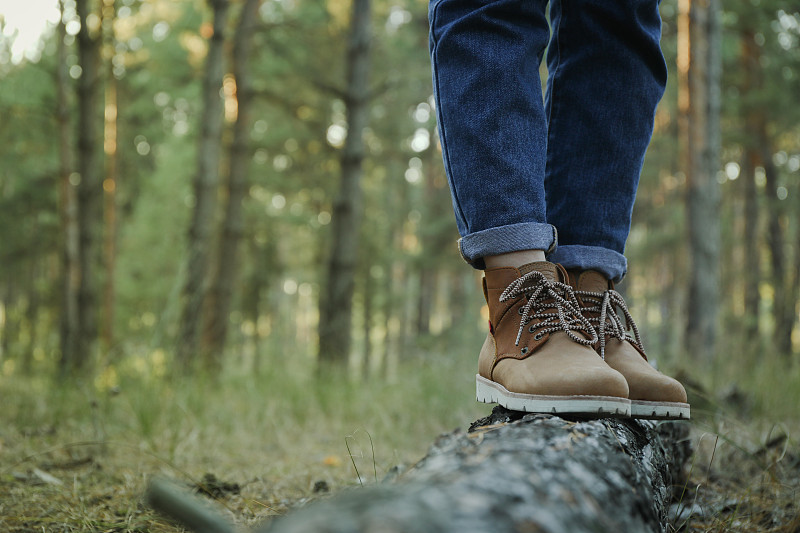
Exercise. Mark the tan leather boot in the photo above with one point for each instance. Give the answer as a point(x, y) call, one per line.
point(538, 355)
point(652, 394)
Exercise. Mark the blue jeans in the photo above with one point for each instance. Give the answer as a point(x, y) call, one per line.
point(560, 173)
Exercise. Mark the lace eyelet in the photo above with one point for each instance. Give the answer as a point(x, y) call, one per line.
point(524, 350)
point(531, 329)
point(520, 310)
point(538, 336)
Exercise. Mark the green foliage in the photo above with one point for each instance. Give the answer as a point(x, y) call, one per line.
point(417, 326)
point(413, 290)
point(275, 434)
point(268, 420)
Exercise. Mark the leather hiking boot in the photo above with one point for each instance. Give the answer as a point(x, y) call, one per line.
point(652, 394)
point(538, 355)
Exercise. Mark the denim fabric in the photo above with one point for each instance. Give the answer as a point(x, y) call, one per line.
point(520, 166)
point(523, 236)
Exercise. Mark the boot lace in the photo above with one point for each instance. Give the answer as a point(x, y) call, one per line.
point(603, 306)
point(544, 296)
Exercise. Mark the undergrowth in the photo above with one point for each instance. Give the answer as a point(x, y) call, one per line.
point(745, 473)
point(77, 457)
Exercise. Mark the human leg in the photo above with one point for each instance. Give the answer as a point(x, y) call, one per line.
point(607, 74)
point(537, 355)
point(485, 58)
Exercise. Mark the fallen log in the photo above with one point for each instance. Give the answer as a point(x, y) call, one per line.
point(515, 473)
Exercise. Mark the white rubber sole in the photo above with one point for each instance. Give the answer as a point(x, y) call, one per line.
point(660, 410)
point(488, 391)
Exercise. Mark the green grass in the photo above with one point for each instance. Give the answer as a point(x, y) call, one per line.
point(279, 433)
point(275, 434)
point(745, 475)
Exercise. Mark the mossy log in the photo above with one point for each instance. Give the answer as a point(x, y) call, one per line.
point(515, 473)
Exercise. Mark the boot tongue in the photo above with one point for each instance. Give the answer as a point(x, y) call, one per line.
point(547, 268)
point(592, 281)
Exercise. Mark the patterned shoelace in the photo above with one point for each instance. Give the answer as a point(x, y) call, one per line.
point(544, 296)
point(606, 320)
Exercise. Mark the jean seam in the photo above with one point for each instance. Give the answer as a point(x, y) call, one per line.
point(442, 130)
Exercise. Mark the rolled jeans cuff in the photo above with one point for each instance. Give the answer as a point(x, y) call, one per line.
point(504, 239)
point(610, 263)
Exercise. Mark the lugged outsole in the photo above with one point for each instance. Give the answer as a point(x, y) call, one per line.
point(660, 410)
point(488, 391)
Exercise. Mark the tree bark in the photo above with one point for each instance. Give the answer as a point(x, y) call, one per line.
point(426, 296)
point(205, 193)
point(336, 304)
point(110, 184)
point(541, 473)
point(31, 318)
point(752, 267)
point(368, 312)
point(750, 160)
point(89, 193)
point(220, 294)
point(699, 65)
point(264, 269)
point(782, 304)
point(394, 205)
point(8, 329)
point(758, 152)
point(793, 291)
point(509, 474)
point(70, 266)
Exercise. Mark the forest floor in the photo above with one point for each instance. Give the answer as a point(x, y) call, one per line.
point(78, 458)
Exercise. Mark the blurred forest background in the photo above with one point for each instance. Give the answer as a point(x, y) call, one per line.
point(209, 208)
point(182, 187)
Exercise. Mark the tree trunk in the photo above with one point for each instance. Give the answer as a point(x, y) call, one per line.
point(110, 184)
point(205, 193)
point(782, 307)
point(70, 266)
point(759, 151)
point(794, 287)
point(511, 473)
point(437, 236)
point(336, 304)
point(752, 267)
point(368, 310)
point(90, 191)
point(541, 473)
point(255, 301)
point(31, 318)
point(220, 294)
point(405, 329)
point(458, 302)
point(426, 296)
point(7, 330)
point(394, 207)
point(699, 66)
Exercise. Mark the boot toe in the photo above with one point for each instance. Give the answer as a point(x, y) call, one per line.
point(644, 381)
point(658, 388)
point(571, 379)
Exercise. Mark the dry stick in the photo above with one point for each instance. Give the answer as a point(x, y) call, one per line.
point(191, 512)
